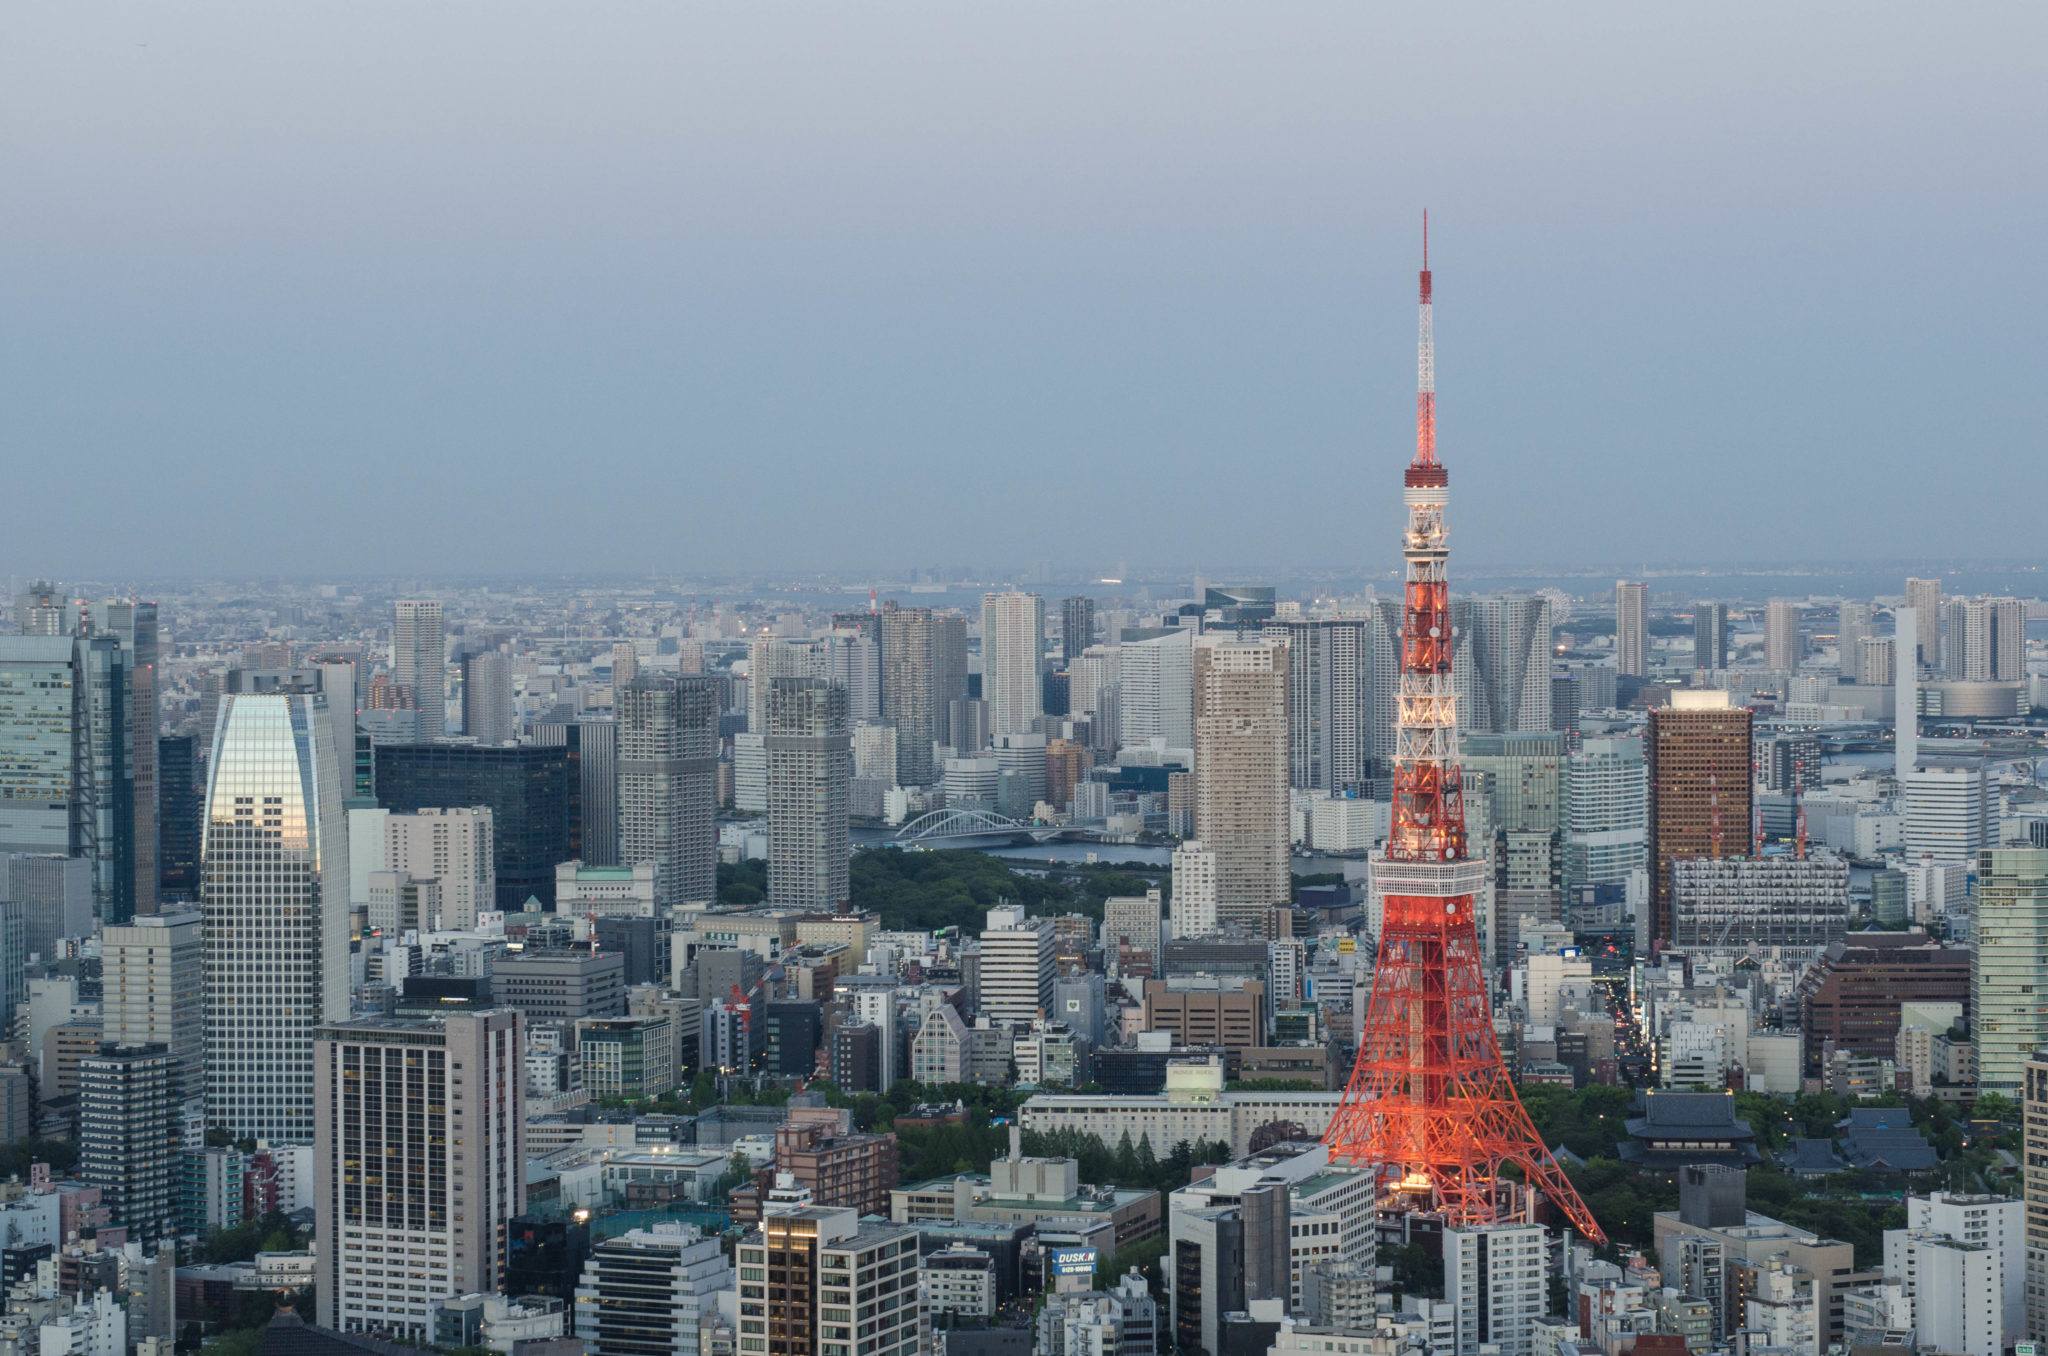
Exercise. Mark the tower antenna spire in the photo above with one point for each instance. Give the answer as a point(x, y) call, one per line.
point(1430, 1108)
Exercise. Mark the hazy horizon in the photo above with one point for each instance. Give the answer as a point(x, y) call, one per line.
point(338, 291)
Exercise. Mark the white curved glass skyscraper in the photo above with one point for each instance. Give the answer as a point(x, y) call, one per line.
point(274, 903)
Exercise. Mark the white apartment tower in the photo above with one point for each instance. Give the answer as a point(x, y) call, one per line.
point(809, 752)
point(1016, 965)
point(1012, 650)
point(1241, 791)
point(1781, 634)
point(419, 660)
point(1923, 596)
point(275, 908)
point(1157, 682)
point(1987, 640)
point(1193, 910)
point(668, 784)
point(1631, 627)
point(1495, 1279)
point(1997, 1221)
point(418, 1166)
point(454, 848)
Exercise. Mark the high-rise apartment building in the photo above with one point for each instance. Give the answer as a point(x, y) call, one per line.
point(2005, 973)
point(1133, 920)
point(1604, 812)
point(1987, 640)
point(1710, 635)
point(1502, 665)
point(456, 849)
point(1924, 597)
point(910, 697)
point(815, 1281)
point(130, 1120)
point(153, 977)
point(1698, 762)
point(1077, 628)
point(1012, 660)
point(41, 611)
point(1631, 627)
point(768, 659)
point(1876, 662)
point(1241, 800)
point(1016, 965)
point(1194, 909)
point(276, 910)
point(1495, 1278)
point(851, 661)
point(810, 763)
point(648, 1292)
point(488, 713)
point(1156, 689)
point(418, 1166)
point(1329, 702)
point(1782, 642)
point(419, 660)
point(1853, 625)
point(668, 784)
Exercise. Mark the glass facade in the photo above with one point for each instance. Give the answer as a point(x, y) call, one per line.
point(527, 787)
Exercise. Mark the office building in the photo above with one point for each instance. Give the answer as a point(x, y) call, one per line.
point(53, 895)
point(1783, 646)
point(134, 625)
point(1956, 1288)
point(1762, 901)
point(179, 786)
point(628, 1057)
point(825, 1262)
point(456, 849)
point(1923, 596)
point(419, 1165)
point(1077, 628)
point(1948, 811)
point(1495, 1279)
point(275, 908)
point(1986, 640)
point(810, 761)
point(593, 750)
point(1012, 653)
point(1200, 1011)
point(419, 661)
point(1242, 607)
point(1020, 774)
point(1789, 765)
point(1604, 812)
point(1241, 800)
point(559, 987)
point(530, 790)
point(153, 973)
point(1697, 758)
point(1016, 965)
point(488, 714)
point(2034, 1179)
point(41, 611)
point(668, 788)
point(1850, 998)
point(1631, 628)
point(1329, 702)
point(1502, 669)
point(2011, 937)
point(130, 1122)
point(651, 1292)
point(1134, 921)
point(1710, 635)
point(1156, 689)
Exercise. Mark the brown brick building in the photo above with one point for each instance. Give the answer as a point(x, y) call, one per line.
point(1698, 751)
point(841, 1168)
point(1852, 996)
point(1203, 1011)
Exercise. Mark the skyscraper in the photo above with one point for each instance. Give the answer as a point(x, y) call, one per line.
point(1924, 597)
point(130, 1117)
point(1156, 689)
point(1782, 644)
point(767, 660)
point(418, 1156)
point(1077, 628)
point(41, 611)
point(668, 784)
point(43, 783)
point(810, 762)
point(1502, 664)
point(178, 816)
point(487, 712)
point(1012, 660)
point(1631, 627)
point(909, 689)
point(1710, 635)
point(1605, 810)
point(419, 660)
point(848, 659)
point(1852, 626)
point(1329, 702)
point(134, 625)
point(593, 751)
point(276, 910)
point(2005, 972)
point(1698, 761)
point(1987, 640)
point(530, 790)
point(1241, 800)
point(457, 849)
point(154, 973)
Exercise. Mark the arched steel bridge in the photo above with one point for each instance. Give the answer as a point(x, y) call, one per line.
point(936, 824)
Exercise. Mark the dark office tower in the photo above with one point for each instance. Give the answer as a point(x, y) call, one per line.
point(1077, 628)
point(1710, 635)
point(1329, 702)
point(593, 747)
point(177, 822)
point(909, 647)
point(869, 624)
point(1790, 764)
point(810, 766)
point(134, 625)
point(794, 1027)
point(1564, 706)
point(527, 788)
point(544, 1256)
point(1057, 693)
point(668, 784)
point(1698, 751)
point(130, 1116)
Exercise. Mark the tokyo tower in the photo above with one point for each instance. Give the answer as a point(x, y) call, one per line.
point(1430, 1107)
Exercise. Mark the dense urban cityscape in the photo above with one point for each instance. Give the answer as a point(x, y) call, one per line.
point(790, 680)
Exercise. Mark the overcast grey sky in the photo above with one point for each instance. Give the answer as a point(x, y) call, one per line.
point(314, 287)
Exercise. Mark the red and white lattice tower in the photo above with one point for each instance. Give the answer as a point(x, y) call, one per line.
point(1430, 1106)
